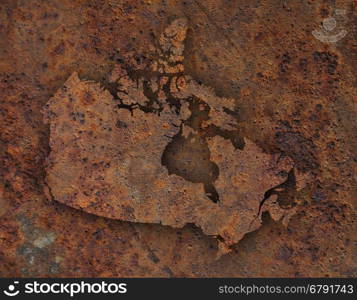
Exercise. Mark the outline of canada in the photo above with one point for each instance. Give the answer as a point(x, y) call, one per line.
point(107, 150)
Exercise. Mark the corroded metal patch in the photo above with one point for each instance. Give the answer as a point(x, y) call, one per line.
point(120, 155)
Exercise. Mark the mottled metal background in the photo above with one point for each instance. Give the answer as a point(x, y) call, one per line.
point(296, 95)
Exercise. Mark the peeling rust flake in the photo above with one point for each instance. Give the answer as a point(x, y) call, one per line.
point(160, 150)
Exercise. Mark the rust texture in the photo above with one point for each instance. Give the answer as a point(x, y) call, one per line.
point(107, 153)
point(182, 138)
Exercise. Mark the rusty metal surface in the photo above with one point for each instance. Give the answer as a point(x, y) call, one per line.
point(290, 97)
point(109, 154)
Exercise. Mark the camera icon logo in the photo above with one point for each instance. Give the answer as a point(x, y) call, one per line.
point(11, 292)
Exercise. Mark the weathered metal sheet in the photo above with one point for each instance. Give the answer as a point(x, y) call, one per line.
point(107, 158)
point(290, 92)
